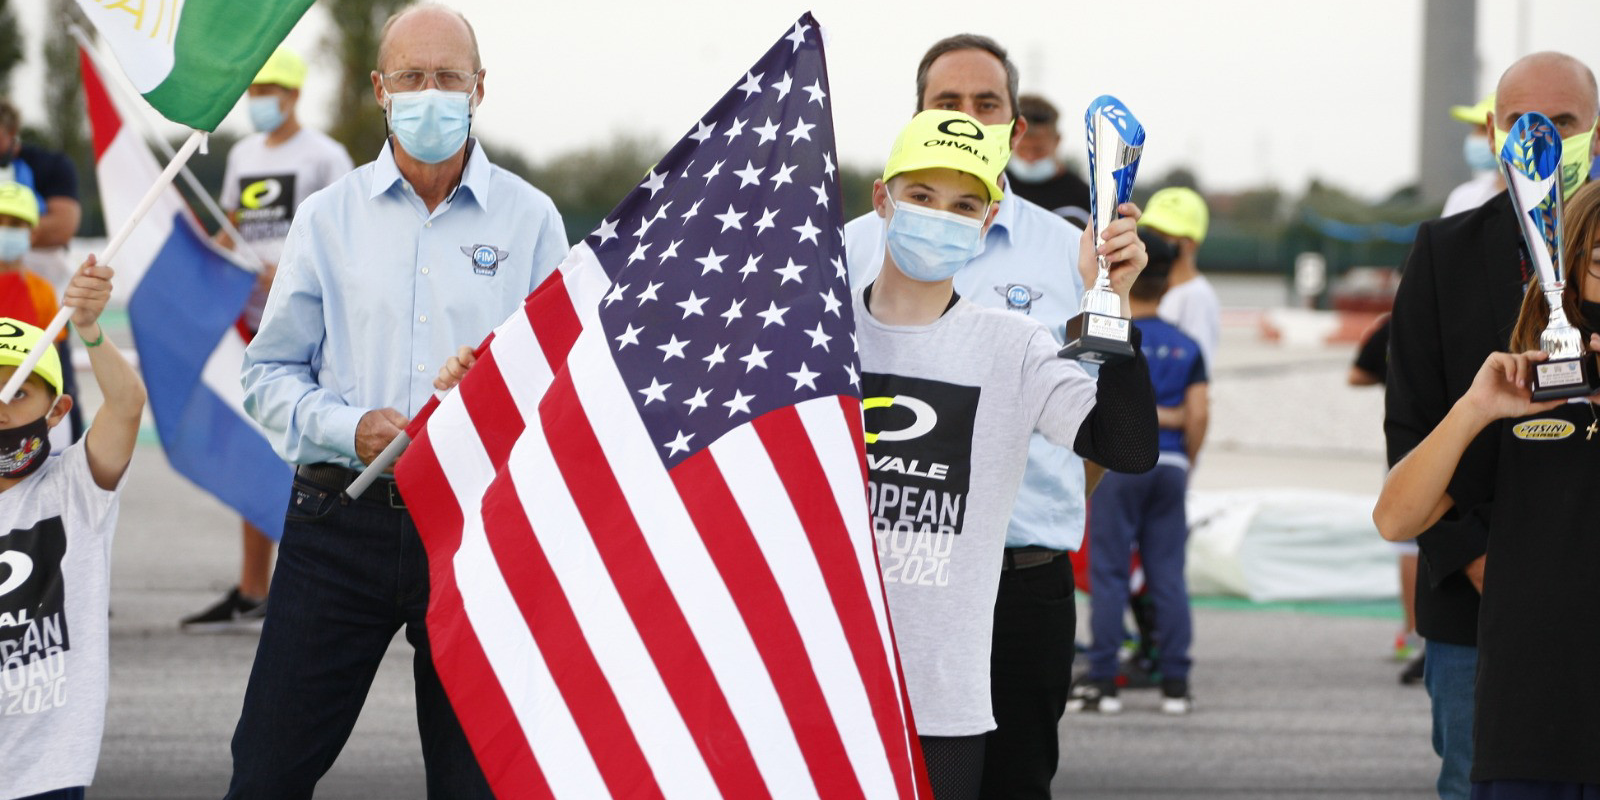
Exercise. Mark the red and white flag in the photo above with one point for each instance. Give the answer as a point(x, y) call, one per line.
point(645, 513)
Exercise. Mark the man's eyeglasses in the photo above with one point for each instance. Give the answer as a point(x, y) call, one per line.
point(447, 80)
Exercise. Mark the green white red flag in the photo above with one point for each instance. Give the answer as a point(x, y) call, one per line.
point(192, 59)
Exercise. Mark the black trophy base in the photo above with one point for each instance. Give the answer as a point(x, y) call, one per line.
point(1098, 339)
point(1564, 378)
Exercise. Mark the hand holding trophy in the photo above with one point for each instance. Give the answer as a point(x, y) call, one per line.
point(1531, 162)
point(1101, 334)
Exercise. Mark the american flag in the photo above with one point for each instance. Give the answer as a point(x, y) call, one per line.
point(644, 509)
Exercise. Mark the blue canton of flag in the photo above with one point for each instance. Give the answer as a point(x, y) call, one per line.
point(729, 297)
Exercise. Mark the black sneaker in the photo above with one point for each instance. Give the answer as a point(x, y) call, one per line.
point(1175, 699)
point(1094, 697)
point(1412, 674)
point(233, 613)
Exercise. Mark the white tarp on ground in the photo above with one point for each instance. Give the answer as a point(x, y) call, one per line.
point(1274, 545)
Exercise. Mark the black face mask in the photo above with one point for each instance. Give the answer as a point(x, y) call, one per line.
point(1591, 315)
point(24, 448)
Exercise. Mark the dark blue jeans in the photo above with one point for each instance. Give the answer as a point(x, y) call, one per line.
point(1146, 510)
point(75, 793)
point(349, 575)
point(1451, 674)
point(1030, 671)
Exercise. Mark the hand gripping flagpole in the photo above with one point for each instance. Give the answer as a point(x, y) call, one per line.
point(390, 454)
point(196, 138)
point(378, 465)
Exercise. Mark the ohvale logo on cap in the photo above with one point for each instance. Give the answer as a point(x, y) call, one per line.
point(961, 127)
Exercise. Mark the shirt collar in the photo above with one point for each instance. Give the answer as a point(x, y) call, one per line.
point(1007, 218)
point(474, 179)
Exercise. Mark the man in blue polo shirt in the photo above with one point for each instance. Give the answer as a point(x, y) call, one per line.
point(1029, 265)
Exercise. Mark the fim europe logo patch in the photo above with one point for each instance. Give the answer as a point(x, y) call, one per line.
point(1019, 297)
point(486, 258)
point(1543, 430)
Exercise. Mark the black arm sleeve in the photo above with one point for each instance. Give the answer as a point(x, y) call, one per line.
point(1417, 399)
point(1120, 431)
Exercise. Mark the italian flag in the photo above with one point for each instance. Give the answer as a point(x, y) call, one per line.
point(192, 59)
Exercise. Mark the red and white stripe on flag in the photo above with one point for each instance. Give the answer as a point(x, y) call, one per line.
point(607, 627)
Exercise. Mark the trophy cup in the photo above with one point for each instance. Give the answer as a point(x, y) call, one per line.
point(1100, 334)
point(1531, 162)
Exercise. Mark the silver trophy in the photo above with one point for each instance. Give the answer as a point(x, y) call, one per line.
point(1531, 162)
point(1100, 334)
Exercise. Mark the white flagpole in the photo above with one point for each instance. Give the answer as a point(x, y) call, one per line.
point(254, 262)
point(25, 369)
point(378, 465)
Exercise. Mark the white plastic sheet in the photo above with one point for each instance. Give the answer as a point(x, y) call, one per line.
point(1279, 545)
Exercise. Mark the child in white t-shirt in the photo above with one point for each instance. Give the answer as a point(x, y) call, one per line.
point(57, 515)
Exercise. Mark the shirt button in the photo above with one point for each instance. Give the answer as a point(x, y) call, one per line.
point(424, 270)
point(421, 368)
point(423, 318)
point(427, 224)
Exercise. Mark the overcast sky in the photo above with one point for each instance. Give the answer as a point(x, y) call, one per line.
point(1245, 92)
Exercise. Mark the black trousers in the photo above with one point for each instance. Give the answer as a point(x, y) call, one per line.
point(1030, 671)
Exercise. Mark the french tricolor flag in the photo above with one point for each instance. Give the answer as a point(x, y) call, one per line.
point(183, 297)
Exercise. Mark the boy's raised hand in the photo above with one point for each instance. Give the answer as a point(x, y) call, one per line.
point(88, 293)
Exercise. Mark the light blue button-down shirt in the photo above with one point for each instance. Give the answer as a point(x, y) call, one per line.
point(374, 292)
point(1030, 265)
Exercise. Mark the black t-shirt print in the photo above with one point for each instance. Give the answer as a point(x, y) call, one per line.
point(266, 206)
point(919, 452)
point(33, 620)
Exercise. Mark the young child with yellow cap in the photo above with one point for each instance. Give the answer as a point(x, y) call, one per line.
point(952, 394)
point(57, 516)
point(24, 295)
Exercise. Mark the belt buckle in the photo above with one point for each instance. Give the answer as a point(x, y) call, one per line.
point(395, 499)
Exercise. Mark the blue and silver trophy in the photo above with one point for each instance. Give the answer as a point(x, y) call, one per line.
point(1100, 334)
point(1531, 162)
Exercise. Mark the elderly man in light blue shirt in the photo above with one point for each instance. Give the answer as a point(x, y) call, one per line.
point(385, 274)
point(1029, 265)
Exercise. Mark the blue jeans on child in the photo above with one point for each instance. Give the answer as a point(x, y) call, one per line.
point(1146, 510)
point(349, 575)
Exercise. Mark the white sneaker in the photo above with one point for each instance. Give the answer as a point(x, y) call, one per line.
point(1094, 697)
point(1175, 699)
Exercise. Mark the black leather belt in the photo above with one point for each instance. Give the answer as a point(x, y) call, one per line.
point(383, 491)
point(1029, 556)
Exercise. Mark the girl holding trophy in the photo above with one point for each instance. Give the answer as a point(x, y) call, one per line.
point(1537, 729)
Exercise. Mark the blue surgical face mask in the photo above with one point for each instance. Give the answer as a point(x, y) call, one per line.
point(929, 245)
point(266, 113)
point(14, 243)
point(1480, 157)
point(1032, 171)
point(431, 125)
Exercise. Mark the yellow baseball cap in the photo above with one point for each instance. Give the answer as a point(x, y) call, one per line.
point(1177, 211)
point(1474, 115)
point(284, 68)
point(16, 339)
point(19, 201)
point(951, 140)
